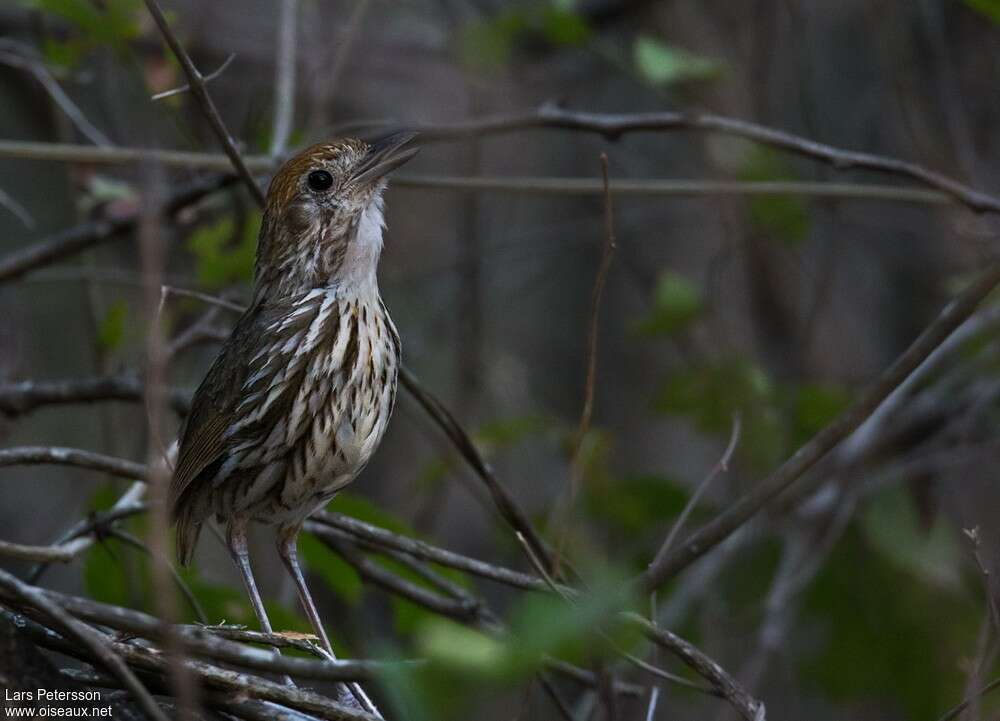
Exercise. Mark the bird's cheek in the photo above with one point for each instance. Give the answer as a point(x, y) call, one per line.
point(299, 217)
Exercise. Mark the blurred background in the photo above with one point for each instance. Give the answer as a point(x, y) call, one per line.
point(856, 595)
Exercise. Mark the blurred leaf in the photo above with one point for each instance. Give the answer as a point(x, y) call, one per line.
point(989, 8)
point(59, 54)
point(814, 407)
point(218, 265)
point(103, 578)
point(784, 217)
point(892, 526)
point(636, 503)
point(908, 633)
point(111, 22)
point(461, 648)
point(338, 574)
point(562, 26)
point(508, 432)
point(677, 302)
point(710, 395)
point(662, 64)
point(111, 330)
point(488, 45)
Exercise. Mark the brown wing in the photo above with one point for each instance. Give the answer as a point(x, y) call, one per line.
point(213, 407)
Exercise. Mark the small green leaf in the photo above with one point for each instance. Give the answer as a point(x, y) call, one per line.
point(662, 64)
point(103, 579)
point(989, 8)
point(460, 648)
point(677, 302)
point(218, 263)
point(892, 525)
point(563, 27)
point(785, 217)
point(111, 331)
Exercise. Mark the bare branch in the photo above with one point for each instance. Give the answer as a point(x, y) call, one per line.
point(93, 641)
point(19, 55)
point(284, 76)
point(17, 210)
point(717, 530)
point(509, 509)
point(199, 91)
point(208, 78)
point(21, 398)
point(86, 235)
point(56, 455)
point(720, 467)
point(612, 126)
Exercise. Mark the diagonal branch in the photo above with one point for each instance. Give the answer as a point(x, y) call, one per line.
point(717, 530)
point(197, 83)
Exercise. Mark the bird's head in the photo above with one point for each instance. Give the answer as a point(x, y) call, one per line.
point(323, 220)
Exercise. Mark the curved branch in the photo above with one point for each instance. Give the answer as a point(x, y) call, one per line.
point(56, 455)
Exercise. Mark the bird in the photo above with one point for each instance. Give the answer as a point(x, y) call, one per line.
point(300, 394)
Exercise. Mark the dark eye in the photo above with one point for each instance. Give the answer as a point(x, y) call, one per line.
point(320, 180)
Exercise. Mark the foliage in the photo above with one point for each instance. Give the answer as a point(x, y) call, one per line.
point(662, 64)
point(219, 260)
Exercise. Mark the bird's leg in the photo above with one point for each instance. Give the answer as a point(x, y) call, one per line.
point(236, 540)
point(288, 551)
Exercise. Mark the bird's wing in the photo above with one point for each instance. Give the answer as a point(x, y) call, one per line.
point(203, 440)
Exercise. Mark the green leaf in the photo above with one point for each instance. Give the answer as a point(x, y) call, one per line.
point(662, 64)
point(635, 503)
point(892, 526)
point(488, 45)
point(678, 301)
point(814, 406)
point(785, 217)
point(989, 8)
point(908, 633)
point(103, 578)
point(461, 648)
point(111, 22)
point(111, 330)
point(218, 263)
point(564, 27)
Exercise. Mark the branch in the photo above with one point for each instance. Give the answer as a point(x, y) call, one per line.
point(17, 399)
point(56, 455)
point(749, 708)
point(93, 641)
point(284, 77)
point(717, 530)
point(509, 509)
point(197, 83)
point(612, 126)
point(65, 152)
point(86, 235)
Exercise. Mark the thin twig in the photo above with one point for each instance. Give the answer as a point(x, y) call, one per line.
point(198, 90)
point(744, 508)
point(564, 511)
point(16, 209)
point(558, 186)
point(955, 712)
point(208, 78)
point(284, 76)
point(22, 56)
point(87, 235)
point(23, 397)
point(56, 455)
point(612, 126)
point(720, 467)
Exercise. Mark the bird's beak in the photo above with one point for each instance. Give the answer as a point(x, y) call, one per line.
point(385, 155)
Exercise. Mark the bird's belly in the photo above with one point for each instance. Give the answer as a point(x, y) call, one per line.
point(333, 444)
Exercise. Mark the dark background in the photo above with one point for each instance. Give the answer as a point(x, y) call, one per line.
point(862, 601)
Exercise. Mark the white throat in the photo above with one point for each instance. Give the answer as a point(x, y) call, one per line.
point(363, 251)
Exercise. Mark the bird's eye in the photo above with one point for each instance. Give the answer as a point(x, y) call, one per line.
point(320, 180)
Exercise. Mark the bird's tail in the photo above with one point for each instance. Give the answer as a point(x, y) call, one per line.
point(188, 530)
